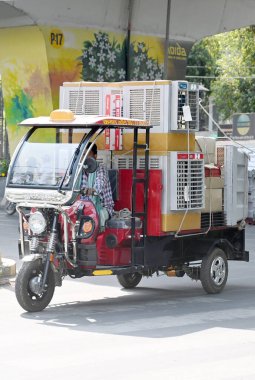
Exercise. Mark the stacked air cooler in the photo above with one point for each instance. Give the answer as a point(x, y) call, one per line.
point(251, 196)
point(234, 167)
point(214, 183)
point(189, 188)
point(92, 98)
point(251, 192)
point(161, 103)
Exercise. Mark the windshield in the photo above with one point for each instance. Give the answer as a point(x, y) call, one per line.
point(44, 157)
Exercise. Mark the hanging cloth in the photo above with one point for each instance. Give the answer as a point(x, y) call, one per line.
point(102, 212)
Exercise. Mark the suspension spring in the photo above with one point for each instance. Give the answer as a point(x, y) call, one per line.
point(34, 244)
point(52, 242)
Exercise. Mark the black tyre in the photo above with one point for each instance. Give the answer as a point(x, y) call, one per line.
point(214, 271)
point(25, 286)
point(129, 280)
point(10, 208)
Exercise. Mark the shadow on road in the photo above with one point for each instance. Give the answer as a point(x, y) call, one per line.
point(155, 313)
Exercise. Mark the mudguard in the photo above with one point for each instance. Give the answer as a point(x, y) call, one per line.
point(32, 257)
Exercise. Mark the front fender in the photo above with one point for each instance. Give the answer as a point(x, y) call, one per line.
point(38, 256)
point(32, 257)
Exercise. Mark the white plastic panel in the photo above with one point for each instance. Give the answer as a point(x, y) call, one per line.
point(161, 104)
point(81, 100)
point(236, 185)
point(148, 102)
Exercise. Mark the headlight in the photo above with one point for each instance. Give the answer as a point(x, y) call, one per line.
point(87, 227)
point(37, 222)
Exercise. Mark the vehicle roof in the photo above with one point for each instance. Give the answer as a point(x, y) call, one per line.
point(86, 121)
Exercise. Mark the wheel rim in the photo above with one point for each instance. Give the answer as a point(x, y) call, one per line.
point(32, 291)
point(10, 208)
point(218, 271)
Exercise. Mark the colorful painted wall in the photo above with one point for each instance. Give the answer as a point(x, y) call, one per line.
point(35, 61)
point(25, 77)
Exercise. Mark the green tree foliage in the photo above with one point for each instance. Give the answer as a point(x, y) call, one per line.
point(202, 61)
point(228, 62)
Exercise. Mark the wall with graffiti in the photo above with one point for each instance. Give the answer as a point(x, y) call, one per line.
point(35, 61)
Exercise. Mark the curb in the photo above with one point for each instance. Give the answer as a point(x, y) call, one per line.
point(7, 270)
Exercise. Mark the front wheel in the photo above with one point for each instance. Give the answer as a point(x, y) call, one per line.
point(214, 271)
point(10, 208)
point(27, 287)
point(129, 280)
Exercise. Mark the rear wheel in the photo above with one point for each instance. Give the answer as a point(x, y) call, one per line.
point(27, 286)
point(214, 271)
point(129, 280)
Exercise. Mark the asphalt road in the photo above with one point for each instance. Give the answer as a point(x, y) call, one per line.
point(165, 327)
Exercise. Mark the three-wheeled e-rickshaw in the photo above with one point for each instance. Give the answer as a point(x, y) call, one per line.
point(61, 233)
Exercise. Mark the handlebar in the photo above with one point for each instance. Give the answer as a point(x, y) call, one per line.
point(84, 192)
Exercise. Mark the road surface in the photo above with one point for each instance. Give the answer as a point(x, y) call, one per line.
point(165, 328)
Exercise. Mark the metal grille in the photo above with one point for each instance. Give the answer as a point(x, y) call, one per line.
point(83, 102)
point(76, 102)
point(194, 109)
point(127, 162)
point(190, 184)
point(220, 156)
point(124, 162)
point(153, 163)
point(91, 104)
point(137, 104)
point(153, 106)
point(217, 219)
point(182, 101)
point(145, 104)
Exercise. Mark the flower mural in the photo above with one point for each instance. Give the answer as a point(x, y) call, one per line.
point(102, 59)
point(105, 60)
point(142, 66)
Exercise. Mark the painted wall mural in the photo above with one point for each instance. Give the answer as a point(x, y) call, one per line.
point(25, 78)
point(144, 66)
point(103, 59)
point(35, 61)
